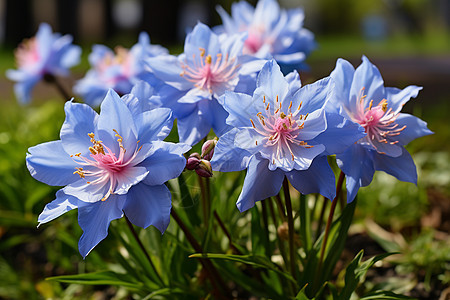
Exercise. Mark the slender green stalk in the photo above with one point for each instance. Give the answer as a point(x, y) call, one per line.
point(280, 242)
point(227, 233)
point(290, 220)
point(330, 220)
point(138, 240)
point(219, 287)
point(204, 198)
point(266, 226)
point(280, 207)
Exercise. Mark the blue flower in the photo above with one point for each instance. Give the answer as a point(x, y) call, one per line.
point(209, 66)
point(110, 164)
point(272, 31)
point(45, 54)
point(282, 130)
point(362, 98)
point(119, 71)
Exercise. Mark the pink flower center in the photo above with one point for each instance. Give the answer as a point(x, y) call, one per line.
point(280, 131)
point(206, 73)
point(253, 42)
point(27, 53)
point(378, 122)
point(104, 166)
point(122, 60)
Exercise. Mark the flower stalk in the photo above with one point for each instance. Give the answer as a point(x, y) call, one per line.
point(290, 220)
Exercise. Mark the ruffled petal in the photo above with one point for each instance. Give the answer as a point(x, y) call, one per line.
point(315, 95)
point(241, 108)
point(397, 97)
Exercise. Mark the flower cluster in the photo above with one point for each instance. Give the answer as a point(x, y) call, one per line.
point(230, 80)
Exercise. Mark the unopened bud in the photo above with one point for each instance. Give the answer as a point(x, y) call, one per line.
point(204, 169)
point(208, 148)
point(193, 161)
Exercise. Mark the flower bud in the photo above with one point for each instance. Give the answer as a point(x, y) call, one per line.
point(208, 148)
point(193, 161)
point(204, 168)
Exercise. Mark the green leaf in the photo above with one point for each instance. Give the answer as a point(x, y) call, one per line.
point(385, 295)
point(305, 223)
point(356, 271)
point(301, 294)
point(258, 235)
point(254, 260)
point(100, 278)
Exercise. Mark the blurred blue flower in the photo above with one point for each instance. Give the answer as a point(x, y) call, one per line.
point(209, 66)
point(119, 71)
point(46, 53)
point(111, 164)
point(272, 32)
point(362, 98)
point(283, 130)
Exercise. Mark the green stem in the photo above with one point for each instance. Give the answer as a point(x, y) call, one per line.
point(292, 250)
point(280, 242)
point(330, 220)
point(227, 233)
point(322, 214)
point(204, 199)
point(138, 240)
point(216, 280)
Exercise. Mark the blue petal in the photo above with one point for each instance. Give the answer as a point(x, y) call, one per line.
point(227, 157)
point(271, 84)
point(241, 108)
point(343, 78)
point(149, 205)
point(154, 125)
point(129, 177)
point(315, 95)
point(168, 69)
point(415, 128)
point(357, 164)
point(397, 98)
point(23, 89)
point(80, 121)
point(138, 99)
point(293, 78)
point(62, 204)
point(201, 37)
point(318, 178)
point(367, 76)
point(94, 219)
point(116, 115)
point(49, 163)
point(401, 167)
point(193, 127)
point(217, 116)
point(86, 192)
point(259, 184)
point(315, 124)
point(166, 163)
point(340, 134)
